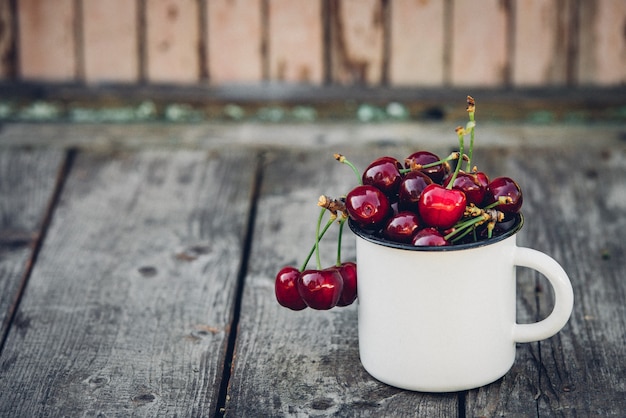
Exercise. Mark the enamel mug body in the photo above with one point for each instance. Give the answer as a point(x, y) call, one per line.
point(443, 319)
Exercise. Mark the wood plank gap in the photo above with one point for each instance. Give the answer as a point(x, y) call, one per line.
point(62, 176)
point(241, 278)
point(79, 41)
point(573, 31)
point(326, 42)
point(203, 39)
point(448, 36)
point(461, 404)
point(142, 50)
point(511, 18)
point(540, 367)
point(9, 60)
point(265, 40)
point(386, 19)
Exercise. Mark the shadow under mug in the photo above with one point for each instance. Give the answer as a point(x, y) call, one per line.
point(443, 319)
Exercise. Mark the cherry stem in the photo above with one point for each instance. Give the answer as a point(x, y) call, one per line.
point(460, 132)
point(471, 110)
point(341, 222)
point(317, 240)
point(315, 246)
point(466, 232)
point(492, 205)
point(471, 125)
point(490, 227)
point(502, 200)
point(453, 156)
point(463, 226)
point(342, 159)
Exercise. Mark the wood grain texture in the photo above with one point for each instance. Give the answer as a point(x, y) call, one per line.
point(7, 40)
point(129, 304)
point(479, 45)
point(357, 41)
point(127, 311)
point(235, 41)
point(295, 44)
point(602, 51)
point(110, 41)
point(46, 40)
point(417, 43)
point(172, 41)
point(27, 183)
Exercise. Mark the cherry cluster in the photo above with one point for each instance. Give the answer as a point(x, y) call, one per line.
point(421, 201)
point(320, 288)
point(431, 207)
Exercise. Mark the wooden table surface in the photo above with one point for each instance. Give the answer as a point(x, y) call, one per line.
point(137, 268)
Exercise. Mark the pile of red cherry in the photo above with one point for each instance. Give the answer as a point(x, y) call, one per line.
point(431, 206)
point(420, 202)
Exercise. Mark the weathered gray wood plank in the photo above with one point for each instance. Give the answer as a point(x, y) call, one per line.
point(307, 363)
point(574, 205)
point(128, 306)
point(27, 184)
point(127, 311)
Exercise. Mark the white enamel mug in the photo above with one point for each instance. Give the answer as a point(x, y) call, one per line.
point(443, 319)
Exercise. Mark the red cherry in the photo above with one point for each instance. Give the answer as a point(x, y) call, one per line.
point(347, 271)
point(286, 290)
point(402, 227)
point(384, 174)
point(436, 173)
point(429, 237)
point(504, 187)
point(482, 179)
point(368, 206)
point(440, 207)
point(470, 185)
point(320, 289)
point(411, 188)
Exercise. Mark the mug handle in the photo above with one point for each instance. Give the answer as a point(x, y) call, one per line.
point(563, 296)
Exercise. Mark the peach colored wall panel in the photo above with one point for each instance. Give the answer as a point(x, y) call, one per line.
point(479, 43)
point(235, 41)
point(296, 41)
point(535, 43)
point(602, 58)
point(110, 40)
point(357, 41)
point(172, 41)
point(434, 43)
point(46, 40)
point(417, 43)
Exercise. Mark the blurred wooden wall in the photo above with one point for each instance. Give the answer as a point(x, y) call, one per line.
point(418, 43)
